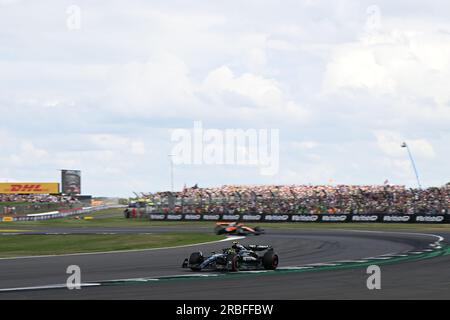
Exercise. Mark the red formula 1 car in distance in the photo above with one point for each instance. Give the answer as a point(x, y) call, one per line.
point(236, 229)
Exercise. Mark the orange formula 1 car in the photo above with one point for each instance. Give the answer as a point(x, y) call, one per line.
point(236, 229)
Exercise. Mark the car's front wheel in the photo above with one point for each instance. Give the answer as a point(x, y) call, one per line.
point(195, 260)
point(234, 262)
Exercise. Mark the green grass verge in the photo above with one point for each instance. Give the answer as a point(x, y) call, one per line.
point(26, 245)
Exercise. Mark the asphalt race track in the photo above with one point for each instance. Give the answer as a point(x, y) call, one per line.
point(319, 264)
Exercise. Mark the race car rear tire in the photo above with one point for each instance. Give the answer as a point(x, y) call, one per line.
point(270, 260)
point(219, 230)
point(195, 259)
point(258, 231)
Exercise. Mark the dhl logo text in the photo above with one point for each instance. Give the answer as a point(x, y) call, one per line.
point(26, 188)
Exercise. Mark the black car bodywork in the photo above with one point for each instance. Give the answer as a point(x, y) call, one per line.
point(238, 257)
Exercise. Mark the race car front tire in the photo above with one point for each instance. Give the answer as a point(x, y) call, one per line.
point(195, 259)
point(233, 260)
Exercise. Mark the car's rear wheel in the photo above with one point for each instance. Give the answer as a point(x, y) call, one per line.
point(195, 260)
point(270, 260)
point(219, 230)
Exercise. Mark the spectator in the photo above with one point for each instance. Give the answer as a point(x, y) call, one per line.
point(307, 199)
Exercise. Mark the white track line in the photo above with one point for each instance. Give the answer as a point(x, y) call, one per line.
point(440, 238)
point(323, 264)
point(52, 286)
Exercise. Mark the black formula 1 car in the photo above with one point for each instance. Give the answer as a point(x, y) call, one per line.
point(238, 257)
point(236, 229)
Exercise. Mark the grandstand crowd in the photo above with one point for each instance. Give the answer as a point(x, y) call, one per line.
point(306, 199)
point(31, 203)
point(35, 198)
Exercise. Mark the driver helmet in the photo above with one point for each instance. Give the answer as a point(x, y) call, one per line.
point(237, 246)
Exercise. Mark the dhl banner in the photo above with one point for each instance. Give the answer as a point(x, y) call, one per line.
point(29, 188)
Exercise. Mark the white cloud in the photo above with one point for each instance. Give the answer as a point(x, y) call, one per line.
point(138, 148)
point(8, 2)
point(343, 93)
point(28, 153)
point(160, 86)
point(256, 97)
point(318, 172)
point(399, 61)
point(263, 92)
point(117, 143)
point(354, 66)
point(390, 143)
point(304, 145)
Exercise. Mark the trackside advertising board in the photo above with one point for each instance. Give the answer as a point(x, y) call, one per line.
point(324, 218)
point(29, 188)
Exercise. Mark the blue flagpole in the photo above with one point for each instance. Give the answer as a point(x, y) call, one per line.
point(413, 163)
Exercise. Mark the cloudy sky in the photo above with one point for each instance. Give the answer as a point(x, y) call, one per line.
point(101, 85)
